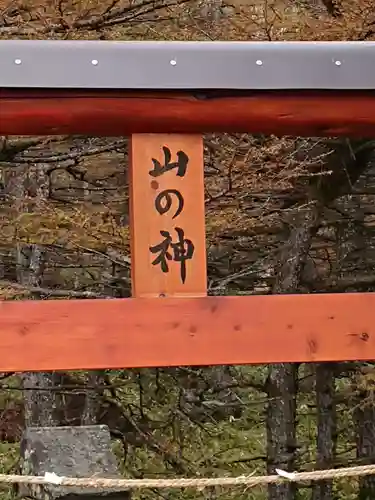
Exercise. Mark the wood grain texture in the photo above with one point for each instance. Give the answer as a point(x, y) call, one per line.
point(186, 196)
point(121, 333)
point(111, 113)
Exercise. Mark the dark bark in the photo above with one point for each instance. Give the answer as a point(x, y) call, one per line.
point(90, 413)
point(365, 422)
point(333, 7)
point(282, 379)
point(326, 427)
point(41, 404)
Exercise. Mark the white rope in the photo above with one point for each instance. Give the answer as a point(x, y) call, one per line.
point(248, 481)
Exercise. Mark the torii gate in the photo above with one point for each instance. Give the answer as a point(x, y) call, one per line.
point(165, 95)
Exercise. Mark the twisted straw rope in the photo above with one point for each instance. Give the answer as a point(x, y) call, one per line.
point(248, 481)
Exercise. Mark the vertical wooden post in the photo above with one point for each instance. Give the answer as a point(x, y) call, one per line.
point(166, 184)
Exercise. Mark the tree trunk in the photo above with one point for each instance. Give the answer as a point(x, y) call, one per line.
point(333, 7)
point(365, 422)
point(211, 10)
point(41, 403)
point(326, 427)
point(96, 381)
point(282, 379)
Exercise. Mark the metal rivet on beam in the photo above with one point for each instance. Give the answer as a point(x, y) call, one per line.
point(17, 61)
point(173, 62)
point(338, 63)
point(259, 62)
point(94, 62)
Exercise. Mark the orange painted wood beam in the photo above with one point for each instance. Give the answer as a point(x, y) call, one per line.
point(122, 333)
point(111, 113)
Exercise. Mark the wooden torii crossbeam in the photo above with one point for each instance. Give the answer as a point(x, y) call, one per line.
point(165, 95)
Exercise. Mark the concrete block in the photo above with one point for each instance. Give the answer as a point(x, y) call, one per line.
point(81, 451)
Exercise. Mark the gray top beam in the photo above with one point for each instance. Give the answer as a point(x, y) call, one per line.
point(187, 65)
